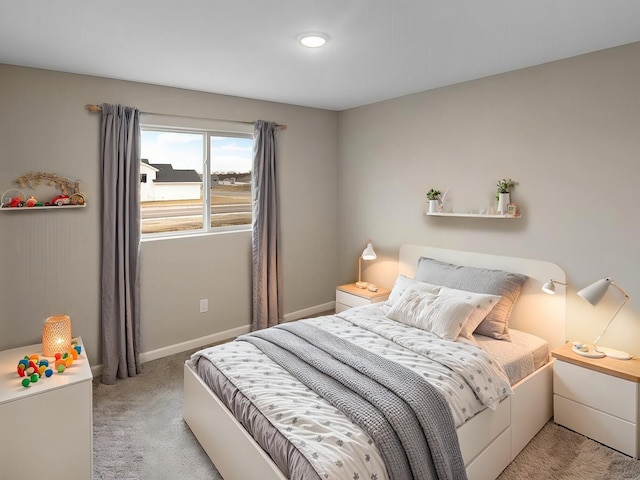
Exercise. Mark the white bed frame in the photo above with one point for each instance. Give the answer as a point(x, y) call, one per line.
point(489, 441)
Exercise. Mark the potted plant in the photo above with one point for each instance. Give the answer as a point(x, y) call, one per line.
point(433, 196)
point(503, 195)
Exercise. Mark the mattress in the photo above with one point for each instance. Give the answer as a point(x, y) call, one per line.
point(297, 449)
point(520, 357)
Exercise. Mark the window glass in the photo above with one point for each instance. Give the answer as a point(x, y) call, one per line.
point(231, 161)
point(188, 176)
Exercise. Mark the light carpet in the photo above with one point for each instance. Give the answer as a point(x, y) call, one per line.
point(139, 434)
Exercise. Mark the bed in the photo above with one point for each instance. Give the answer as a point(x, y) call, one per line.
point(488, 439)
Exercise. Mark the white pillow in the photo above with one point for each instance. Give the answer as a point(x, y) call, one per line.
point(402, 283)
point(444, 314)
point(484, 303)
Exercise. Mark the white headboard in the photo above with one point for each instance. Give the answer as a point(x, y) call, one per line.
point(535, 311)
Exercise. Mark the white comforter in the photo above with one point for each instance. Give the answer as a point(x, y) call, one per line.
point(336, 447)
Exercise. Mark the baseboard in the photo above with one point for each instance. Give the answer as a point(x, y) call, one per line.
point(220, 336)
point(184, 346)
point(309, 312)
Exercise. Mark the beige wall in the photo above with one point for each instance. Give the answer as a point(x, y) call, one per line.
point(50, 260)
point(568, 132)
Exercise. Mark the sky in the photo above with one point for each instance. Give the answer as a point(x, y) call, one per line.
point(185, 151)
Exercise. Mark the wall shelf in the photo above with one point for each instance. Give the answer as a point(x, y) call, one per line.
point(44, 207)
point(472, 215)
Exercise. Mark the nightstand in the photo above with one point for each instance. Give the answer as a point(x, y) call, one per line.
point(598, 398)
point(348, 296)
point(47, 428)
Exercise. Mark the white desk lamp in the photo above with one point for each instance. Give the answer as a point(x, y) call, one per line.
point(367, 254)
point(550, 286)
point(593, 294)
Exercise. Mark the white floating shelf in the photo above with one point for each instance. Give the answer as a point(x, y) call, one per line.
point(44, 207)
point(472, 215)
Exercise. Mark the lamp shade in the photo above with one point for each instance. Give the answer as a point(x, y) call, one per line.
point(593, 293)
point(368, 253)
point(56, 335)
point(550, 286)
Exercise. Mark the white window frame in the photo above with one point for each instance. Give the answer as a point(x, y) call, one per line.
point(206, 182)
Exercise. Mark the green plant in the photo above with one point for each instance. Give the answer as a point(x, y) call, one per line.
point(433, 194)
point(505, 185)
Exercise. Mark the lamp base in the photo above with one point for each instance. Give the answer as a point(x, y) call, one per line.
point(617, 354)
point(362, 284)
point(590, 352)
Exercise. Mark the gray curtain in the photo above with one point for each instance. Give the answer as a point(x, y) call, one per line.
point(267, 272)
point(120, 313)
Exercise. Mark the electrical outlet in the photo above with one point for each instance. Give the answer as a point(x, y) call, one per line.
point(204, 305)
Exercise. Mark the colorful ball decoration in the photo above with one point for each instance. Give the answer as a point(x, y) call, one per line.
point(32, 368)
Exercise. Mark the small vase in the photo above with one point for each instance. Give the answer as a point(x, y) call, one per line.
point(434, 206)
point(503, 201)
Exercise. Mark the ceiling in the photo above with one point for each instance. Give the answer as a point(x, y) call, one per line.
point(377, 49)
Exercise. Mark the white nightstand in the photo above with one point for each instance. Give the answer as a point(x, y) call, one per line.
point(348, 296)
point(47, 428)
point(598, 398)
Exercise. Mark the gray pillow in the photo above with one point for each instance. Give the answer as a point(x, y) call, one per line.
point(479, 280)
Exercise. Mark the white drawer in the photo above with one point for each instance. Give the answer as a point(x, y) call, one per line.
point(604, 428)
point(341, 307)
point(597, 390)
point(351, 300)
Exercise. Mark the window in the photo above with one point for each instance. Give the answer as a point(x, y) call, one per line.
point(190, 175)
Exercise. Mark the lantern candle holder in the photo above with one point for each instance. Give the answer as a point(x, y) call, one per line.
point(56, 335)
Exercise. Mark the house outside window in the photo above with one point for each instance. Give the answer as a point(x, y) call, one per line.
point(191, 175)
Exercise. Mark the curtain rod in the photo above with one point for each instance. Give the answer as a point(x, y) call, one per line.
point(93, 108)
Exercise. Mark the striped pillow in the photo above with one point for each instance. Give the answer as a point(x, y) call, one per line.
point(444, 314)
point(479, 280)
point(402, 283)
point(484, 304)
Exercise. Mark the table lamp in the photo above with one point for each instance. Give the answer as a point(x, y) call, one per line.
point(56, 335)
point(593, 294)
point(367, 254)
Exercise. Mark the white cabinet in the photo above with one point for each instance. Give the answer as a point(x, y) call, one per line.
point(598, 398)
point(47, 428)
point(349, 296)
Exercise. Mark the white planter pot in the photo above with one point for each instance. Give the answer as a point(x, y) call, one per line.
point(434, 206)
point(503, 201)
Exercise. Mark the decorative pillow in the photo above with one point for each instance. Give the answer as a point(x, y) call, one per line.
point(443, 314)
point(480, 280)
point(402, 283)
point(484, 304)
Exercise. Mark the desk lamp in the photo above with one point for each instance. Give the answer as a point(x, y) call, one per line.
point(593, 294)
point(367, 254)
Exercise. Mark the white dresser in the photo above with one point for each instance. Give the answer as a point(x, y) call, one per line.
point(47, 428)
point(598, 398)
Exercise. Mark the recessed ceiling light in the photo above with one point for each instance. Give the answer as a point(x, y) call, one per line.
point(313, 39)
